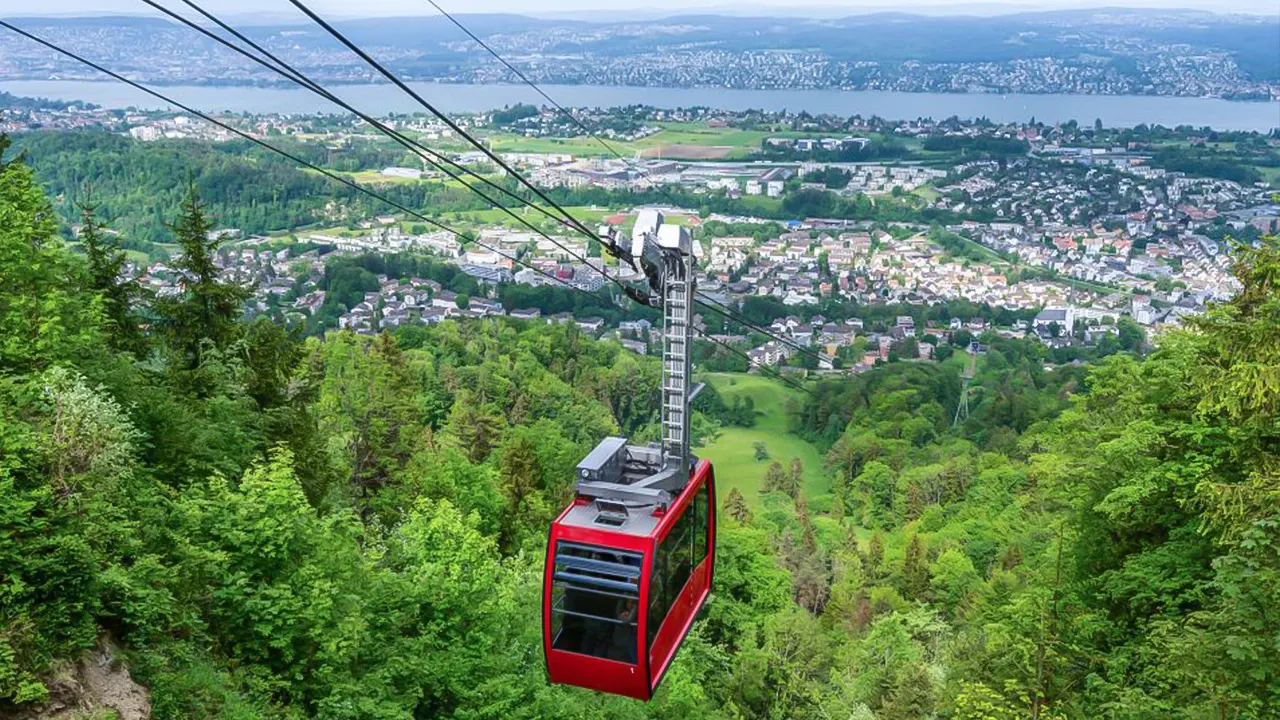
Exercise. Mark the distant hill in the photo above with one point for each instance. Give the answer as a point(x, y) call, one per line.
point(1106, 51)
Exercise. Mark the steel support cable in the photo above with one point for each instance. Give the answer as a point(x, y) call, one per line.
point(382, 70)
point(516, 71)
point(284, 69)
point(409, 91)
point(299, 77)
point(784, 379)
point(284, 153)
point(725, 311)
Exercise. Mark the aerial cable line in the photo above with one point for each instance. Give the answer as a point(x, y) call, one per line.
point(516, 71)
point(564, 111)
point(295, 75)
point(337, 34)
point(288, 71)
point(355, 186)
point(353, 47)
point(278, 151)
point(782, 378)
point(728, 313)
point(298, 77)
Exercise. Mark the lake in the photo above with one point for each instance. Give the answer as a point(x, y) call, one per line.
point(1114, 110)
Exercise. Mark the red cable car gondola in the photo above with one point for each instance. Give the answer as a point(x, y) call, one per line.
point(604, 567)
point(629, 562)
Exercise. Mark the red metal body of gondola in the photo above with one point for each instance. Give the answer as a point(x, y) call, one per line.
point(618, 601)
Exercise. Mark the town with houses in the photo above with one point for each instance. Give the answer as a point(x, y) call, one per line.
point(1075, 236)
point(802, 268)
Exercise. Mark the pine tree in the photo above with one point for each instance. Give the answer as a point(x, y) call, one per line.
point(851, 540)
point(206, 307)
point(106, 268)
point(911, 697)
point(518, 477)
point(834, 429)
point(775, 478)
point(795, 479)
point(863, 613)
point(735, 506)
point(1012, 558)
point(808, 537)
point(915, 570)
point(477, 427)
point(875, 555)
point(812, 583)
point(44, 316)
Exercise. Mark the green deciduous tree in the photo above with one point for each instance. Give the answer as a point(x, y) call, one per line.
point(365, 408)
point(952, 577)
point(90, 438)
point(44, 317)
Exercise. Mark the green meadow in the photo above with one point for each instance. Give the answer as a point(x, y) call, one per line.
point(733, 450)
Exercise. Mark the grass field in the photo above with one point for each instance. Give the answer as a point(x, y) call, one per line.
point(733, 452)
point(927, 192)
point(136, 256)
point(470, 220)
point(588, 215)
point(677, 140)
point(375, 177)
point(1270, 174)
point(987, 253)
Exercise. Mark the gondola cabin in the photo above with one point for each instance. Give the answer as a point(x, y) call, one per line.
point(625, 579)
point(629, 562)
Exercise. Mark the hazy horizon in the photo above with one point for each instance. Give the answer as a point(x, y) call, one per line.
point(282, 10)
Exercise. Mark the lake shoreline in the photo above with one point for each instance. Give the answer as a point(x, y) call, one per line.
point(287, 85)
point(1113, 110)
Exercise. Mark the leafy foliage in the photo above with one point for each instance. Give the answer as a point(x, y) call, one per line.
point(353, 527)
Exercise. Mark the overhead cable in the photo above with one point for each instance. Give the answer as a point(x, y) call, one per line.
point(372, 62)
point(286, 70)
point(353, 47)
point(268, 146)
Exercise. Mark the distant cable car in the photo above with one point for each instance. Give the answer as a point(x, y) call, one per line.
point(630, 561)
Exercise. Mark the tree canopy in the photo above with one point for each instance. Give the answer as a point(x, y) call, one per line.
point(353, 527)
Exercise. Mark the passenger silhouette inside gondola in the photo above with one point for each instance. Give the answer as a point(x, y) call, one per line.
point(624, 634)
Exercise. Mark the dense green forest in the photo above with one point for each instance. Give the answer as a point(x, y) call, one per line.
point(256, 191)
point(1236, 165)
point(351, 527)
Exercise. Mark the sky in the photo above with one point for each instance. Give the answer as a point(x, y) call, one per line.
point(368, 8)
